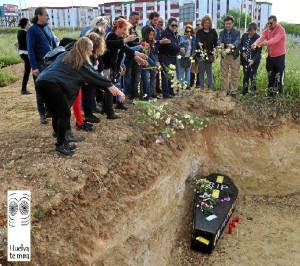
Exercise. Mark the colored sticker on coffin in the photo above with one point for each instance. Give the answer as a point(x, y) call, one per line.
point(216, 193)
point(220, 179)
point(202, 240)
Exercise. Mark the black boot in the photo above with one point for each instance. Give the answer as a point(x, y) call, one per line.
point(65, 149)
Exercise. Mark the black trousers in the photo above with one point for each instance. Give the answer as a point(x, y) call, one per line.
point(250, 73)
point(88, 100)
point(275, 67)
point(107, 106)
point(57, 102)
point(27, 69)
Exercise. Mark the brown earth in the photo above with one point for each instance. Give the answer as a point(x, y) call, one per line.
point(124, 200)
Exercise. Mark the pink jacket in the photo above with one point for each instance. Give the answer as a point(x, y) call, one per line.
point(275, 41)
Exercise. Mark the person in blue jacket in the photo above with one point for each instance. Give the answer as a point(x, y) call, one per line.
point(250, 58)
point(148, 44)
point(184, 62)
point(40, 40)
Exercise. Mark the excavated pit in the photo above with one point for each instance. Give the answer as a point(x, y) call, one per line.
point(265, 168)
point(124, 200)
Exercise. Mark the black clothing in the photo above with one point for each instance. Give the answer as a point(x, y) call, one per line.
point(209, 39)
point(275, 67)
point(170, 49)
point(27, 69)
point(71, 80)
point(22, 44)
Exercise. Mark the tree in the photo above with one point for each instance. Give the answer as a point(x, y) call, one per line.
point(239, 18)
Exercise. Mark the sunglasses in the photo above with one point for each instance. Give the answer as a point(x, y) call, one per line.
point(174, 25)
point(198, 24)
point(188, 31)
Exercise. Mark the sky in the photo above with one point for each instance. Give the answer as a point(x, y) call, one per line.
point(289, 11)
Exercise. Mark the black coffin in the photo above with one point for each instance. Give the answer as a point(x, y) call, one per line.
point(207, 233)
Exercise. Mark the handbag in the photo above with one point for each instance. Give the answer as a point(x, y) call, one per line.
point(185, 62)
point(210, 59)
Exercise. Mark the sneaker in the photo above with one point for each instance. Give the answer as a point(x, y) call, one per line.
point(92, 119)
point(25, 92)
point(70, 137)
point(113, 116)
point(121, 106)
point(43, 119)
point(88, 127)
point(65, 149)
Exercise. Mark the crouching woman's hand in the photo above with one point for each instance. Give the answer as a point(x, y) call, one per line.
point(116, 92)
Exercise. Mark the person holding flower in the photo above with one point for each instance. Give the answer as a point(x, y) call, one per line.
point(250, 58)
point(206, 40)
point(168, 53)
point(147, 47)
point(229, 41)
point(184, 61)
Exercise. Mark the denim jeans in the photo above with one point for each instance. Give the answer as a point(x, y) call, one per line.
point(205, 67)
point(39, 100)
point(132, 78)
point(146, 82)
point(184, 73)
point(166, 84)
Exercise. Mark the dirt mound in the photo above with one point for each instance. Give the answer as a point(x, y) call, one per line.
point(122, 199)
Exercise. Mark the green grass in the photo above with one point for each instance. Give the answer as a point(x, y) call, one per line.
point(9, 55)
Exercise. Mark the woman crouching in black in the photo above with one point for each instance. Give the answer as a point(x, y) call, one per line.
point(60, 83)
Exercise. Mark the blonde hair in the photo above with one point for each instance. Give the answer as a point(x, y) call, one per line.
point(207, 17)
point(79, 53)
point(98, 38)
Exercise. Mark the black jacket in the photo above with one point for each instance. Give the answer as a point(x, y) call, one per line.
point(111, 59)
point(255, 54)
point(209, 39)
point(173, 48)
point(71, 80)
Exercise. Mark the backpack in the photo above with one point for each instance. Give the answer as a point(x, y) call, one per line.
point(50, 57)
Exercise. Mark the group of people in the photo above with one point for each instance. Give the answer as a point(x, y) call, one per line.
point(108, 57)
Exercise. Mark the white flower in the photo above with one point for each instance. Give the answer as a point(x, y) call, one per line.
point(178, 57)
point(192, 121)
point(171, 66)
point(157, 115)
point(168, 136)
point(186, 116)
point(168, 121)
point(157, 141)
point(181, 126)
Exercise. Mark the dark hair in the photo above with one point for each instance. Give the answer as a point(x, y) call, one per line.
point(189, 27)
point(252, 26)
point(146, 33)
point(272, 17)
point(23, 22)
point(153, 15)
point(170, 20)
point(134, 13)
point(38, 11)
point(229, 18)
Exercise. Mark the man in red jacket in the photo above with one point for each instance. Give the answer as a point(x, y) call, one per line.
point(274, 38)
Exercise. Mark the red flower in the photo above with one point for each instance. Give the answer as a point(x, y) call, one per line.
point(144, 44)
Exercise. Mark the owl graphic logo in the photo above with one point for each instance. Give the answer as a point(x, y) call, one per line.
point(18, 208)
